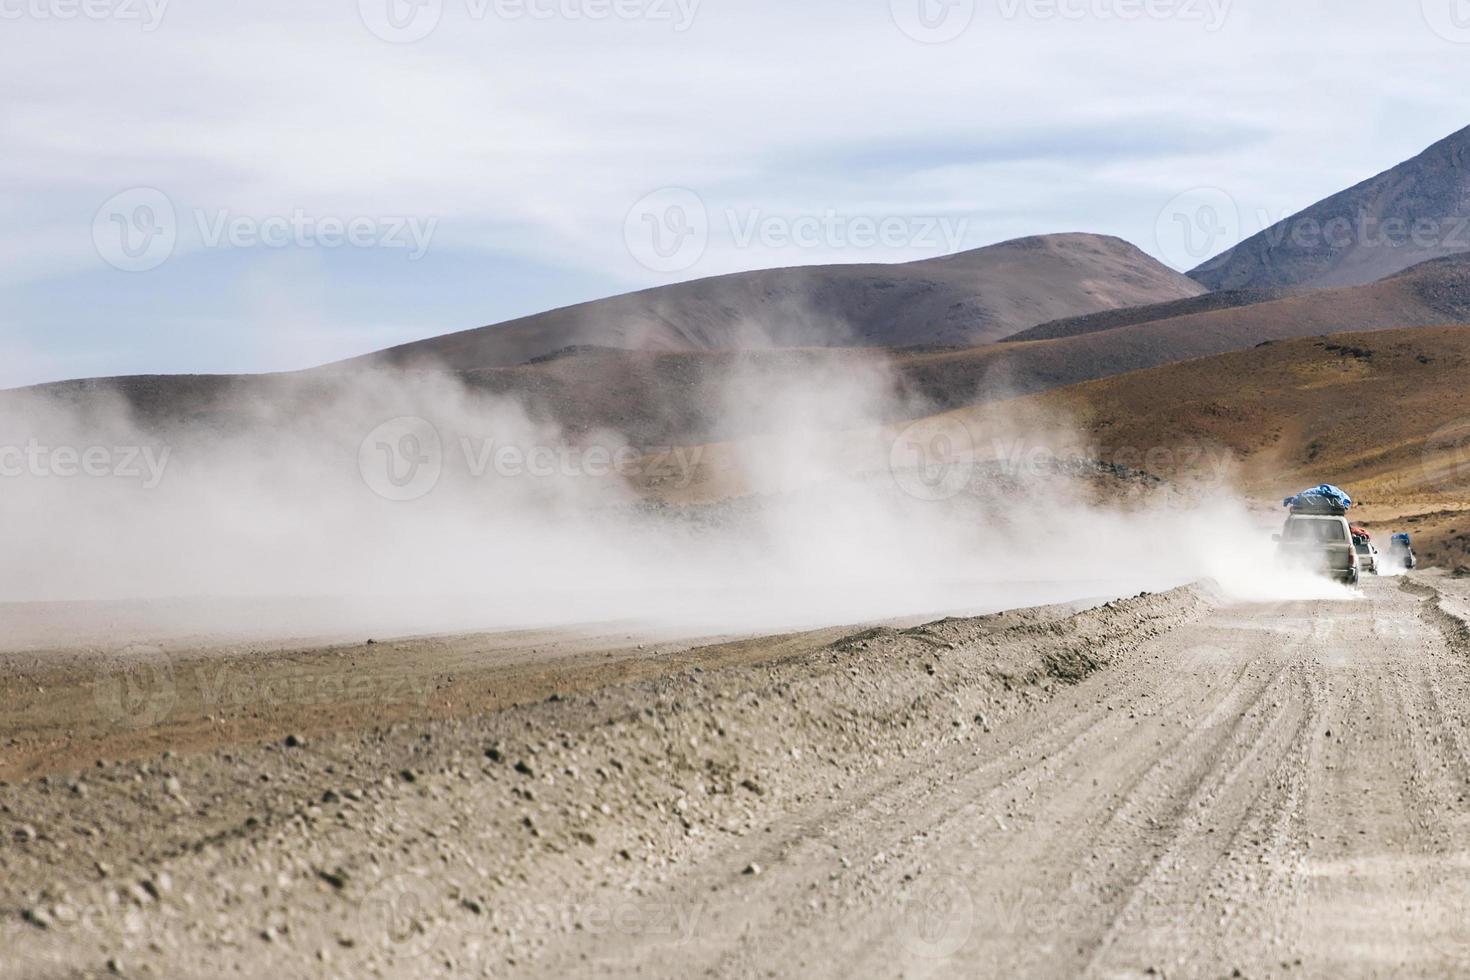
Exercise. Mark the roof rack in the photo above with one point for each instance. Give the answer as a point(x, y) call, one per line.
point(1318, 506)
point(1325, 499)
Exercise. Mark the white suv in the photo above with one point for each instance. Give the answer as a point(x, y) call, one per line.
point(1367, 554)
point(1322, 543)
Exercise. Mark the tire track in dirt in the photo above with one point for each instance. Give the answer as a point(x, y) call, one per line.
point(875, 828)
point(1383, 864)
point(1207, 873)
point(974, 824)
point(1195, 847)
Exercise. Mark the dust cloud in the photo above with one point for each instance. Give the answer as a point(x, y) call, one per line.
point(407, 502)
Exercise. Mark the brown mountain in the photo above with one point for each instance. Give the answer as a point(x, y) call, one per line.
point(959, 300)
point(1434, 293)
point(1417, 211)
point(681, 396)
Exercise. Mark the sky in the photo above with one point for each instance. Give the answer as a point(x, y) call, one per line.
point(206, 187)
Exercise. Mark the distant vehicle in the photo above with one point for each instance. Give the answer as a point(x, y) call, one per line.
point(1317, 535)
point(1322, 543)
point(1367, 553)
point(1401, 552)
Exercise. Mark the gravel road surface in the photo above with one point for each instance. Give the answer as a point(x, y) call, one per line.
point(1169, 786)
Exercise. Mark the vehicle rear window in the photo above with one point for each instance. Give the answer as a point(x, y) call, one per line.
point(1327, 532)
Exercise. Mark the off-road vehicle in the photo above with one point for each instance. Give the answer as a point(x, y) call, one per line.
point(1317, 536)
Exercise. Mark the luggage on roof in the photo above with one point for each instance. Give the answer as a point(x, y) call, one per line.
point(1325, 499)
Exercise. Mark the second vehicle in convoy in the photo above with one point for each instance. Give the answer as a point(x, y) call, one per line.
point(1368, 557)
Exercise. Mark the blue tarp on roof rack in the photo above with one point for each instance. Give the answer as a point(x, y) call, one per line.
point(1323, 498)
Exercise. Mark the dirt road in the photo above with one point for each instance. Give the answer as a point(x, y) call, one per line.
point(1168, 786)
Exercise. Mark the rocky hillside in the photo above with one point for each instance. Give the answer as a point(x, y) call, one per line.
point(1417, 211)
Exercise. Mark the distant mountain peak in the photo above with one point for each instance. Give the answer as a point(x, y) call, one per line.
point(959, 300)
point(1462, 137)
point(1412, 213)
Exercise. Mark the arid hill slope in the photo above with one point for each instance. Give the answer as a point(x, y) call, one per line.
point(1417, 211)
point(970, 298)
point(1434, 293)
point(1382, 412)
point(1112, 319)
